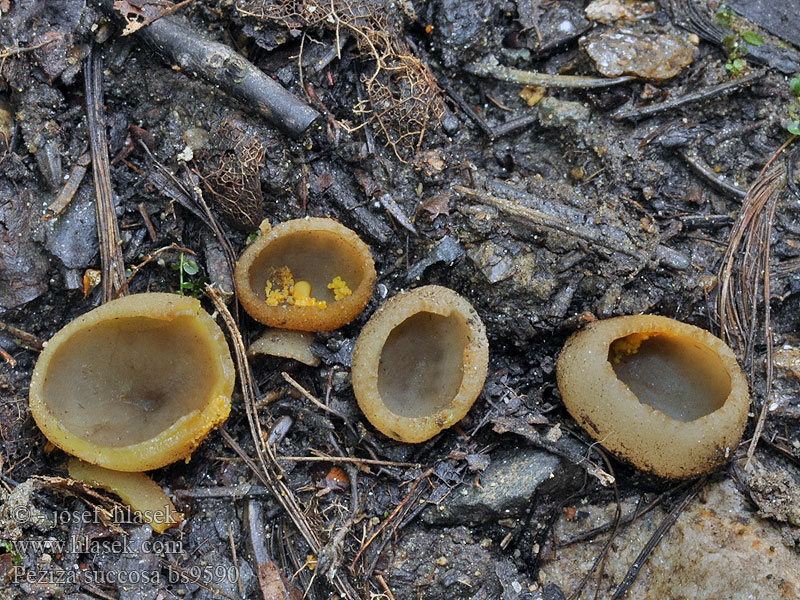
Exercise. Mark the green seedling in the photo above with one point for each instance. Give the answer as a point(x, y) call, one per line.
point(794, 107)
point(752, 38)
point(189, 268)
point(735, 43)
point(7, 547)
point(724, 16)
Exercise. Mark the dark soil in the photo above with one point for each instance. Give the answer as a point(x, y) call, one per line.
point(626, 181)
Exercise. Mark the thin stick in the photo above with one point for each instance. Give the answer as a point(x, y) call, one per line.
point(717, 182)
point(722, 89)
point(111, 260)
point(265, 471)
point(309, 396)
point(654, 540)
point(148, 223)
point(600, 558)
point(385, 587)
point(545, 220)
point(8, 358)
point(22, 338)
point(349, 459)
point(388, 520)
point(64, 197)
point(239, 584)
point(521, 77)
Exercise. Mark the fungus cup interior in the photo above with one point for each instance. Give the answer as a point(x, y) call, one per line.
point(333, 264)
point(419, 363)
point(430, 348)
point(134, 384)
point(313, 256)
point(677, 376)
point(122, 382)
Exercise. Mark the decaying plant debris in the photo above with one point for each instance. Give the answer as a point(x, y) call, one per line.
point(472, 144)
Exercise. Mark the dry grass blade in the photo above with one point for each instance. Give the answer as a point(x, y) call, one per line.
point(600, 558)
point(113, 265)
point(743, 302)
point(267, 468)
point(654, 540)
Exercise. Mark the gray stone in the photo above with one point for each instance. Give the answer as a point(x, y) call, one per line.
point(72, 236)
point(561, 113)
point(452, 565)
point(448, 251)
point(508, 484)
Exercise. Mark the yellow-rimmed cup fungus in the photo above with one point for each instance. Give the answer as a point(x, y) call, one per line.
point(310, 274)
point(420, 363)
point(134, 384)
point(666, 396)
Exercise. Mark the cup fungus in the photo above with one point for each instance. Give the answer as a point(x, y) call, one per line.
point(134, 384)
point(310, 274)
point(420, 363)
point(666, 396)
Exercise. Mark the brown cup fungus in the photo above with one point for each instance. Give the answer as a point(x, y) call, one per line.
point(666, 396)
point(420, 363)
point(310, 274)
point(134, 384)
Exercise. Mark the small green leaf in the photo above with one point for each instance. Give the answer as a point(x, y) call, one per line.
point(752, 38)
point(190, 267)
point(794, 84)
point(724, 16)
point(794, 128)
point(729, 42)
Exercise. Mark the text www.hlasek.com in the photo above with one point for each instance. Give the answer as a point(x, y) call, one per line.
point(87, 544)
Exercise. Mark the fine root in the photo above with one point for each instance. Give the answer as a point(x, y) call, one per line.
point(403, 99)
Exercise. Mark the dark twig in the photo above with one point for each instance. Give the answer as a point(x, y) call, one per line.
point(64, 197)
point(111, 260)
point(607, 546)
point(544, 220)
point(464, 106)
point(349, 459)
point(723, 89)
point(222, 66)
point(22, 338)
point(654, 540)
point(512, 125)
point(717, 182)
point(233, 492)
point(629, 518)
point(510, 425)
point(510, 75)
point(148, 222)
point(391, 518)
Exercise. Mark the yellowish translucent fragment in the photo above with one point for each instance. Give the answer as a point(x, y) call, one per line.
point(340, 288)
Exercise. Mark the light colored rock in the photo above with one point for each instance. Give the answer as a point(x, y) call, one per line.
point(648, 55)
point(718, 548)
point(605, 11)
